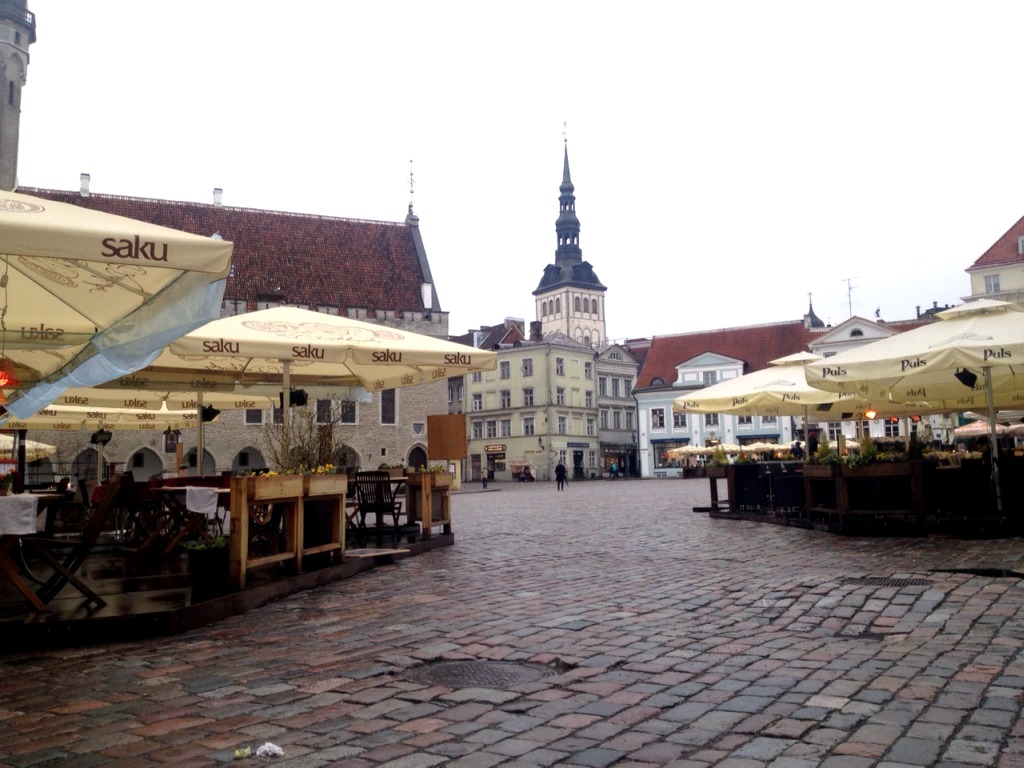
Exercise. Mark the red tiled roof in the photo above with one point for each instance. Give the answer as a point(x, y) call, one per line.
point(289, 257)
point(754, 345)
point(1003, 251)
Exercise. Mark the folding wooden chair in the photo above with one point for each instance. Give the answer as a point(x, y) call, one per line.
point(65, 570)
point(376, 496)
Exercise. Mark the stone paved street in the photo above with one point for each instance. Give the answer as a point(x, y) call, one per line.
point(674, 640)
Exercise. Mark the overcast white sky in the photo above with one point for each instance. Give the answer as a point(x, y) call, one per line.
point(729, 157)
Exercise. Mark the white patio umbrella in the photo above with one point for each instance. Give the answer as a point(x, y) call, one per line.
point(33, 450)
point(284, 347)
point(782, 390)
point(966, 360)
point(979, 427)
point(93, 293)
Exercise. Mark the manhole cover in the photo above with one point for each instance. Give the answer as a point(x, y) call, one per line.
point(478, 674)
point(888, 581)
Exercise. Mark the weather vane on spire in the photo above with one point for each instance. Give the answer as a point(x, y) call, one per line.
point(565, 131)
point(411, 186)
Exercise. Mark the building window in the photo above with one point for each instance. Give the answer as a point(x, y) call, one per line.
point(253, 416)
point(657, 418)
point(590, 426)
point(835, 429)
point(527, 396)
point(769, 421)
point(506, 427)
point(592, 456)
point(506, 398)
point(627, 385)
point(616, 419)
point(576, 303)
point(603, 413)
point(559, 395)
point(560, 366)
point(588, 370)
point(478, 401)
point(589, 398)
point(347, 412)
point(679, 420)
point(709, 378)
point(477, 377)
point(478, 430)
point(892, 427)
point(528, 425)
point(527, 366)
point(505, 369)
point(561, 425)
point(745, 421)
point(991, 283)
point(629, 420)
point(323, 411)
point(492, 428)
point(388, 407)
point(710, 419)
point(615, 387)
point(602, 386)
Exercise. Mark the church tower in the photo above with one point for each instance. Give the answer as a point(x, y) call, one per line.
point(17, 33)
point(570, 298)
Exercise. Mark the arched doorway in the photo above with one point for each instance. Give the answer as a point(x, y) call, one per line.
point(248, 459)
point(417, 457)
point(209, 465)
point(145, 464)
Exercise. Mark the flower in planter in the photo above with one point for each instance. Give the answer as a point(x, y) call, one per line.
point(433, 469)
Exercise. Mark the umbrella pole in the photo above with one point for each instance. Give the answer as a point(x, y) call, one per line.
point(286, 398)
point(993, 438)
point(199, 436)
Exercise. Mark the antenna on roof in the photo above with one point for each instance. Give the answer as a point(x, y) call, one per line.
point(411, 185)
point(849, 293)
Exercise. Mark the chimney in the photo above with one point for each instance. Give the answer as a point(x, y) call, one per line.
point(218, 195)
point(535, 332)
point(84, 191)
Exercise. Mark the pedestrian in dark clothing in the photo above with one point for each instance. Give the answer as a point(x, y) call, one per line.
point(560, 475)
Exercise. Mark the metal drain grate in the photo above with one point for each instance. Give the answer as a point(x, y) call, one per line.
point(478, 674)
point(888, 581)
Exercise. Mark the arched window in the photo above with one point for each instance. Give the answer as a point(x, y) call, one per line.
point(586, 340)
point(577, 304)
point(543, 309)
point(558, 305)
point(586, 305)
point(595, 308)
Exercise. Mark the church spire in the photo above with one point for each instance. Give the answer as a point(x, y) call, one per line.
point(567, 226)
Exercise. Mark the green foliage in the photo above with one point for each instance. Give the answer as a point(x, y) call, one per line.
point(826, 454)
point(718, 458)
point(217, 542)
point(868, 449)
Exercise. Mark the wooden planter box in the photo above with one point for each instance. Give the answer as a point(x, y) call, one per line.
point(272, 486)
point(713, 471)
point(324, 485)
point(821, 471)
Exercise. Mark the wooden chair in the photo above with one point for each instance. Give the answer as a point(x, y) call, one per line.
point(376, 496)
point(65, 569)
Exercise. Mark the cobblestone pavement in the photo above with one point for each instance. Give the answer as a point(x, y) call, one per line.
point(673, 640)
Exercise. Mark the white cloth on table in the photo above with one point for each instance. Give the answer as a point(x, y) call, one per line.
point(201, 500)
point(18, 514)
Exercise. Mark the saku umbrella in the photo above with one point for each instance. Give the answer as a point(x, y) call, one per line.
point(95, 294)
point(33, 450)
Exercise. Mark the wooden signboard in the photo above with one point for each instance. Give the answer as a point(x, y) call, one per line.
point(446, 437)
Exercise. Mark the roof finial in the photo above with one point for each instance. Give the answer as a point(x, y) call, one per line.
point(565, 131)
point(411, 186)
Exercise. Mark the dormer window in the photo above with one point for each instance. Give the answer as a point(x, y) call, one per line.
point(856, 332)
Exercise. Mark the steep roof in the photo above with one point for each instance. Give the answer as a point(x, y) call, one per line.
point(1003, 251)
point(291, 258)
point(491, 336)
point(755, 345)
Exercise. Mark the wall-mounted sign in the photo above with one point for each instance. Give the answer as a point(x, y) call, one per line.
point(494, 448)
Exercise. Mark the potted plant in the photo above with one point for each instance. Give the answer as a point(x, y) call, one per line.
point(208, 566)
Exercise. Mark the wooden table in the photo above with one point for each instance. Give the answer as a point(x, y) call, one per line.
point(182, 521)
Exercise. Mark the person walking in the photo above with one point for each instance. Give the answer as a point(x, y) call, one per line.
point(560, 475)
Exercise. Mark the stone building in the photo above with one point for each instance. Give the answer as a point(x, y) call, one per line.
point(17, 33)
point(371, 270)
